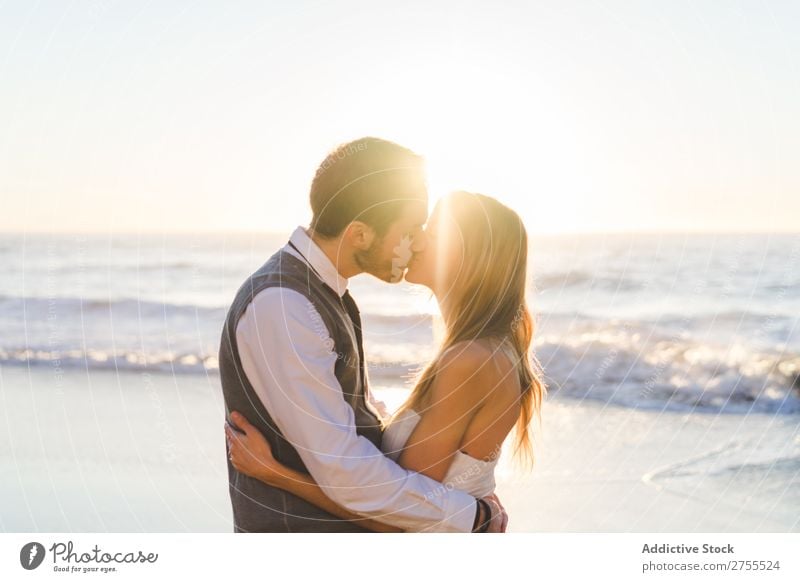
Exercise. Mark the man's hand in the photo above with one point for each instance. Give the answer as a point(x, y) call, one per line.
point(249, 452)
point(499, 521)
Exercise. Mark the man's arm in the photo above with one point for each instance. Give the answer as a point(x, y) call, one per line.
point(287, 356)
point(250, 453)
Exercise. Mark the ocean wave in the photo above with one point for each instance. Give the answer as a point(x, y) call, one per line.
point(33, 308)
point(741, 461)
point(164, 361)
point(130, 313)
point(128, 361)
point(671, 374)
point(396, 319)
point(131, 267)
point(575, 278)
point(751, 316)
point(662, 374)
point(37, 308)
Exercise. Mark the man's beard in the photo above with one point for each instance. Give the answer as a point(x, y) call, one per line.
point(370, 262)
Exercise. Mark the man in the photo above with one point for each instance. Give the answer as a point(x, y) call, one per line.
point(292, 361)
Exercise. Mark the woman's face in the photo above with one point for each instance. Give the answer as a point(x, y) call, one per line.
point(438, 253)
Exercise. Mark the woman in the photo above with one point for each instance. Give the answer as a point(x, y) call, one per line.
point(484, 380)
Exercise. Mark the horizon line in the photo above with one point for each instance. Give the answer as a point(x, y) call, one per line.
point(220, 232)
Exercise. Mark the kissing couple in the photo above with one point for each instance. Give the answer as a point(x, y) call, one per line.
point(310, 448)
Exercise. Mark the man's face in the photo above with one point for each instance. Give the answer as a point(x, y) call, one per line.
point(388, 256)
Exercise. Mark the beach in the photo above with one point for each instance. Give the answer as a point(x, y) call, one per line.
point(145, 452)
point(671, 363)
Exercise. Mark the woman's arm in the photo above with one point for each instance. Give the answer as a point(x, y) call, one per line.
point(251, 454)
point(462, 382)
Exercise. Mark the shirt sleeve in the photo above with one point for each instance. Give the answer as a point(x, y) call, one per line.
point(287, 355)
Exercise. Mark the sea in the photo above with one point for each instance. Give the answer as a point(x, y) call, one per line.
point(681, 321)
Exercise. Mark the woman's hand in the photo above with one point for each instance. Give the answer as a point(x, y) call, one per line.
point(498, 510)
point(249, 451)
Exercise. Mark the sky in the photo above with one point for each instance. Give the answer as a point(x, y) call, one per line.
point(591, 116)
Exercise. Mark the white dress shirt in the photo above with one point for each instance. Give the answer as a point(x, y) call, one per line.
point(288, 357)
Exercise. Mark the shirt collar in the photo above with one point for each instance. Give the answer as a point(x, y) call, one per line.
point(314, 256)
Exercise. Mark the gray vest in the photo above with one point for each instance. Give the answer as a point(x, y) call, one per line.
point(258, 507)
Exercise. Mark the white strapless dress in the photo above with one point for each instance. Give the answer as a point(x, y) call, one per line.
point(475, 476)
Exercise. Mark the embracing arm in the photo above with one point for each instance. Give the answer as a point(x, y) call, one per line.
point(251, 454)
point(305, 487)
point(455, 397)
point(303, 395)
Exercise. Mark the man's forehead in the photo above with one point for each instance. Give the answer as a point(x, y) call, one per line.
point(417, 212)
point(410, 217)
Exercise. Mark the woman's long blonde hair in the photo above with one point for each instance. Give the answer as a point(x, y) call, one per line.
point(487, 301)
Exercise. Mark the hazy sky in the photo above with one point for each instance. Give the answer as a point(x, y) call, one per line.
point(587, 116)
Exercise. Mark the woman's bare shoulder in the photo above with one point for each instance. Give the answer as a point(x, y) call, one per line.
point(466, 354)
point(475, 352)
point(477, 361)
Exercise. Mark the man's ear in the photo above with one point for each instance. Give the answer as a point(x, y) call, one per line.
point(359, 235)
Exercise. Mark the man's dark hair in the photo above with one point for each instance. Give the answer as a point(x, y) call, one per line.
point(369, 180)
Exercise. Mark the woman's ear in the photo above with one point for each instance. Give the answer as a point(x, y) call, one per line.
point(359, 235)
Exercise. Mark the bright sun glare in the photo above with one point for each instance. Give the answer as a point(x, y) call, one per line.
point(502, 155)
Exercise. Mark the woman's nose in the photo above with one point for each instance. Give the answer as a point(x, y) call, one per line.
point(418, 242)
